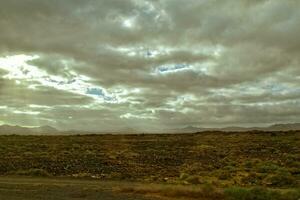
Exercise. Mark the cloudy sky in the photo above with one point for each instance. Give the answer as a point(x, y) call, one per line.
point(149, 65)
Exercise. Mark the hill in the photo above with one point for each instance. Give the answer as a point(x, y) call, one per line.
point(19, 130)
point(275, 127)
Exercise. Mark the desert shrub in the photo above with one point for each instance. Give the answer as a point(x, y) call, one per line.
point(183, 176)
point(292, 159)
point(294, 170)
point(291, 195)
point(248, 165)
point(292, 163)
point(224, 175)
point(281, 179)
point(267, 167)
point(193, 180)
point(230, 168)
point(229, 162)
point(32, 172)
point(252, 179)
point(236, 193)
point(251, 164)
point(257, 193)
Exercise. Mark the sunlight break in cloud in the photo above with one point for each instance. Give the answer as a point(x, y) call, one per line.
point(19, 70)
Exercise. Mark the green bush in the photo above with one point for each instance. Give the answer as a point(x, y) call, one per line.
point(257, 193)
point(230, 168)
point(281, 179)
point(267, 167)
point(252, 179)
point(236, 193)
point(248, 164)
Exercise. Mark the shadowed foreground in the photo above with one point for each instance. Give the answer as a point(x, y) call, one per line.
point(14, 188)
point(33, 188)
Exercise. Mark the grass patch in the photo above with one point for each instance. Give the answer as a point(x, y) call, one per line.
point(210, 192)
point(177, 191)
point(31, 172)
point(259, 193)
point(224, 159)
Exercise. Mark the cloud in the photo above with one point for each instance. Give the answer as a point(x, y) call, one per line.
point(149, 65)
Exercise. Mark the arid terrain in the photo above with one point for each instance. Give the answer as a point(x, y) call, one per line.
point(36, 188)
point(149, 100)
point(223, 165)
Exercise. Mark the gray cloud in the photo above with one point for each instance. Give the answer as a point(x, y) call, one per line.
point(149, 65)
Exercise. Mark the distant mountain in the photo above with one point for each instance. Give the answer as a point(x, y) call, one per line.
point(189, 129)
point(48, 130)
point(275, 127)
point(44, 129)
point(283, 127)
point(126, 130)
point(19, 130)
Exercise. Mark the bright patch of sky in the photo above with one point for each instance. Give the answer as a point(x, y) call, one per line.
point(129, 22)
point(19, 70)
point(180, 100)
point(258, 88)
point(137, 116)
point(26, 112)
point(138, 51)
point(171, 68)
point(154, 52)
point(203, 68)
point(39, 106)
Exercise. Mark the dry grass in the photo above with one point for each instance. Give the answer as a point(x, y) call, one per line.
point(176, 191)
point(209, 192)
point(221, 159)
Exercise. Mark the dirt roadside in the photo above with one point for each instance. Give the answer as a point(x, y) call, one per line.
point(20, 188)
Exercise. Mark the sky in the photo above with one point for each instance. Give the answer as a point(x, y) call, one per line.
point(104, 65)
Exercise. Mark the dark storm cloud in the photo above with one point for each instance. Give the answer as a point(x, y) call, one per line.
point(149, 65)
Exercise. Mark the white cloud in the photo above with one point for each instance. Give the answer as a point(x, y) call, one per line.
point(137, 116)
point(18, 69)
point(117, 63)
point(26, 112)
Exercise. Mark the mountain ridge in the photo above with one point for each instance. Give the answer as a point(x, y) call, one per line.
point(273, 127)
point(48, 130)
point(20, 130)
